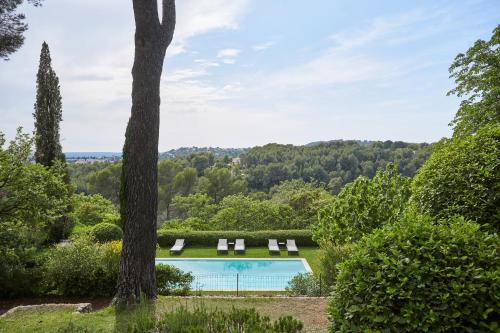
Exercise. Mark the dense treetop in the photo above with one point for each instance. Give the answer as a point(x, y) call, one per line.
point(477, 75)
point(334, 163)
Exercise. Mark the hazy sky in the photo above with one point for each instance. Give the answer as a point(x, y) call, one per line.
point(248, 72)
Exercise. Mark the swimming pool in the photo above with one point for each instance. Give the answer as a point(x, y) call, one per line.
point(241, 274)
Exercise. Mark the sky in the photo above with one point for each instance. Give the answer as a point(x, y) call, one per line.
point(242, 73)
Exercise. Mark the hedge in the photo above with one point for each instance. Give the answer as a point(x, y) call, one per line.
point(420, 276)
point(166, 238)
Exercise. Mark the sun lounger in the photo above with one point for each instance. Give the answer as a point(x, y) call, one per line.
point(178, 246)
point(273, 246)
point(239, 246)
point(291, 247)
point(222, 246)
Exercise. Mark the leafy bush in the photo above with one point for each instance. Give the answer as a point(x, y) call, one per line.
point(33, 202)
point(197, 205)
point(105, 232)
point(216, 321)
point(362, 206)
point(171, 280)
point(305, 199)
point(240, 212)
point(306, 284)
point(191, 223)
point(420, 276)
point(81, 230)
point(93, 209)
point(20, 264)
point(167, 238)
point(332, 255)
point(83, 268)
point(462, 177)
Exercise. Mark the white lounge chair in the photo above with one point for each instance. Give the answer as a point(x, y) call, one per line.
point(291, 247)
point(222, 246)
point(273, 246)
point(178, 246)
point(239, 246)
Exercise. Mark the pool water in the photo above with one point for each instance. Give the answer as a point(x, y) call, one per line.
point(241, 274)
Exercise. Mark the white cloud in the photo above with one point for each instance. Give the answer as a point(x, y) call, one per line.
point(263, 46)
point(183, 74)
point(229, 61)
point(228, 53)
point(205, 63)
point(197, 17)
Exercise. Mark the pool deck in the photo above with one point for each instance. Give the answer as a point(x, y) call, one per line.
point(304, 261)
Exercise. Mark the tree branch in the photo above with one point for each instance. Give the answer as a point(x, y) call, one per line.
point(168, 21)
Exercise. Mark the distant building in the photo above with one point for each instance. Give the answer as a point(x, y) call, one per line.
point(236, 160)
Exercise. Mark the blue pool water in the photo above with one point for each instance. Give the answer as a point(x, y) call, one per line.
point(243, 274)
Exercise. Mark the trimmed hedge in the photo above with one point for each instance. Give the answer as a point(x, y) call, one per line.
point(105, 232)
point(420, 276)
point(166, 238)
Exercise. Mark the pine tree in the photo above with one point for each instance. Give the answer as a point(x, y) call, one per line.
point(139, 181)
point(48, 112)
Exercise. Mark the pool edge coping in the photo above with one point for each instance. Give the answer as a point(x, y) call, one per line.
point(304, 260)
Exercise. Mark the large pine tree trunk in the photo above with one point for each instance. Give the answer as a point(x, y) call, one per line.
point(139, 192)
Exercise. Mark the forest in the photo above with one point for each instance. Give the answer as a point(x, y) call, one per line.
point(286, 184)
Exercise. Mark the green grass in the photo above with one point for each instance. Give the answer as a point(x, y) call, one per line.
point(311, 311)
point(311, 254)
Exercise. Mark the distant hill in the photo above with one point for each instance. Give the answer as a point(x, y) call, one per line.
point(217, 151)
point(317, 143)
point(73, 155)
point(172, 153)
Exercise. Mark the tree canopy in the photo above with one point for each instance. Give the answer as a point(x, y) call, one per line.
point(362, 206)
point(12, 26)
point(477, 75)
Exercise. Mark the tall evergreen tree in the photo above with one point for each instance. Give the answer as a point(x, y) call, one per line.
point(48, 112)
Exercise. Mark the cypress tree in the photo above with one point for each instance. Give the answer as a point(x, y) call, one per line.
point(48, 150)
point(48, 112)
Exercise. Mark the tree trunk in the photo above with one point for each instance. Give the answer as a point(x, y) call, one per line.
point(139, 191)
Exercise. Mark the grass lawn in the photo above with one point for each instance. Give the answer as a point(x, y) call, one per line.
point(311, 254)
point(311, 311)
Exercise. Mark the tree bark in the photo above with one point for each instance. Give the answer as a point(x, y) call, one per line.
point(139, 189)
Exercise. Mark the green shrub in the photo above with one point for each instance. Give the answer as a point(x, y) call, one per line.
point(363, 205)
point(306, 284)
point(105, 232)
point(139, 319)
point(462, 177)
point(80, 229)
point(172, 281)
point(191, 223)
point(20, 266)
point(166, 238)
point(216, 321)
point(420, 276)
point(83, 268)
point(240, 212)
point(93, 209)
point(332, 255)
